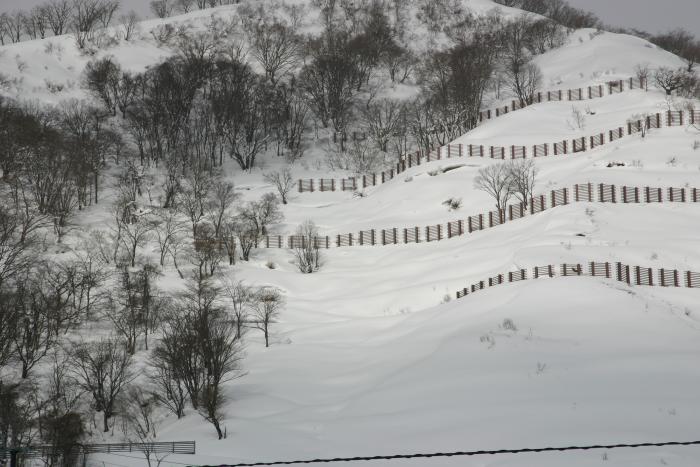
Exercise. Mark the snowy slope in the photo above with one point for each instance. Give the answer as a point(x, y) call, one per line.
point(366, 359)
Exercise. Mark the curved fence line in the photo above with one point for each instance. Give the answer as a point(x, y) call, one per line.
point(582, 192)
point(630, 275)
point(671, 118)
point(557, 95)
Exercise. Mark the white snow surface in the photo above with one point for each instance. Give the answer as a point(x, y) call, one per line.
point(366, 360)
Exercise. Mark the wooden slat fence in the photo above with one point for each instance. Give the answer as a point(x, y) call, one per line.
point(581, 192)
point(582, 144)
point(629, 274)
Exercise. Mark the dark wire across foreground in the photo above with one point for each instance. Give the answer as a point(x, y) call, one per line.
point(463, 453)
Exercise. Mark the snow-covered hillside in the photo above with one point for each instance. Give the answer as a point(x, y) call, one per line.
point(374, 355)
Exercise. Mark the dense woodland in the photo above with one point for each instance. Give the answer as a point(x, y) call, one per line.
point(242, 90)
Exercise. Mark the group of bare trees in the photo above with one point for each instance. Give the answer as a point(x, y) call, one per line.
point(52, 160)
point(680, 81)
point(82, 18)
point(199, 348)
point(165, 8)
point(557, 10)
point(503, 181)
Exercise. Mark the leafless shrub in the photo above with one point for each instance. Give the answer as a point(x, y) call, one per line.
point(102, 369)
point(268, 303)
point(307, 252)
point(453, 204)
point(283, 181)
point(523, 176)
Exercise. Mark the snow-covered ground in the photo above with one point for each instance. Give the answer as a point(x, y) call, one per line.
point(368, 360)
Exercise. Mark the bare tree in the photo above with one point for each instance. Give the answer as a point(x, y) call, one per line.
point(35, 23)
point(168, 231)
point(9, 317)
point(268, 303)
point(222, 354)
point(13, 250)
point(229, 234)
point(283, 181)
point(523, 176)
point(525, 82)
point(307, 252)
point(141, 419)
point(495, 180)
point(669, 80)
point(400, 62)
point(108, 9)
point(86, 16)
point(102, 79)
point(35, 317)
point(193, 196)
point(18, 412)
point(58, 13)
point(207, 253)
point(165, 375)
point(242, 297)
point(61, 426)
point(329, 83)
point(289, 117)
point(253, 221)
point(129, 24)
point(641, 71)
point(275, 47)
point(13, 23)
point(161, 8)
point(220, 201)
point(184, 5)
point(382, 119)
point(103, 369)
point(238, 101)
point(134, 235)
point(125, 310)
point(90, 277)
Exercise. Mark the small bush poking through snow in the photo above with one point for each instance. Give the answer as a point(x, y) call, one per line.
point(453, 204)
point(615, 164)
point(696, 145)
point(54, 88)
point(540, 368)
point(270, 265)
point(509, 325)
point(488, 339)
